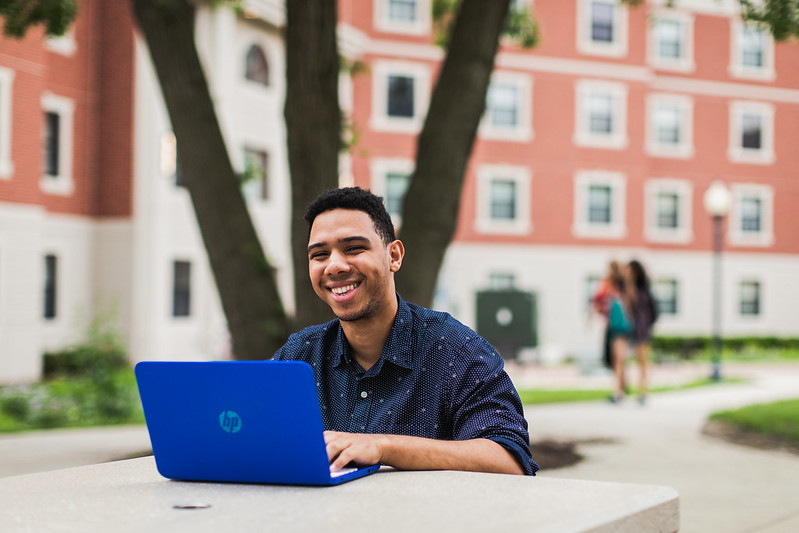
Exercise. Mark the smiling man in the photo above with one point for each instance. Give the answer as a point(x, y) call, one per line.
point(398, 384)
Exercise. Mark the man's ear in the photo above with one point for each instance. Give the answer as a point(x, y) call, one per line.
point(396, 251)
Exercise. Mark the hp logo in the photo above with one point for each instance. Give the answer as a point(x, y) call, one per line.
point(230, 421)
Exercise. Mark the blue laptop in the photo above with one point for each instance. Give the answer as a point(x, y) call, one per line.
point(237, 421)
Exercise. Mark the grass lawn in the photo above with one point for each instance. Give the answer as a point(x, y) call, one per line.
point(541, 396)
point(777, 419)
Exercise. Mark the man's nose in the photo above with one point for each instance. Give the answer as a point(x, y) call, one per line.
point(336, 264)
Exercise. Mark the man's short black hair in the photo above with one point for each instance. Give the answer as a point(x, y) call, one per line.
point(359, 200)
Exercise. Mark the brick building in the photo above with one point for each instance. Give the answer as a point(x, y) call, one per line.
point(598, 144)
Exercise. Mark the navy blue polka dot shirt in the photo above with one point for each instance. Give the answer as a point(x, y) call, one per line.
point(436, 378)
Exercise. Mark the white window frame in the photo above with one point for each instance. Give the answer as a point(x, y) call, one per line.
point(736, 152)
point(685, 106)
point(522, 223)
point(737, 69)
point(381, 71)
point(762, 238)
point(617, 139)
point(6, 110)
point(684, 63)
point(420, 26)
point(585, 43)
point(683, 189)
point(61, 184)
point(380, 168)
point(582, 227)
point(523, 130)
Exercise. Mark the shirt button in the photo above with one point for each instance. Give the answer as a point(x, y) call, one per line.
point(364, 394)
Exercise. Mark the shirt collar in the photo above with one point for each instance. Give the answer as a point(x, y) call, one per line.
point(399, 345)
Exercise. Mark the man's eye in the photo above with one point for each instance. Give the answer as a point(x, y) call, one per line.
point(355, 249)
point(317, 256)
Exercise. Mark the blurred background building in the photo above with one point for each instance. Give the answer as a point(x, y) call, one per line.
point(596, 145)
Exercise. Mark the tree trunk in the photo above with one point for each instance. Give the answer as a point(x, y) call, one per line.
point(313, 125)
point(430, 211)
point(244, 278)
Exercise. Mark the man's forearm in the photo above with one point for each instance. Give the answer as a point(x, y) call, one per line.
point(418, 453)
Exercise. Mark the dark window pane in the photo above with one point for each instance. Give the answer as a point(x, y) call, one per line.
point(256, 163)
point(751, 214)
point(666, 296)
point(402, 10)
point(503, 200)
point(396, 187)
point(599, 206)
point(181, 292)
point(52, 129)
point(752, 128)
point(750, 298)
point(400, 96)
point(602, 22)
point(257, 69)
point(50, 286)
point(668, 210)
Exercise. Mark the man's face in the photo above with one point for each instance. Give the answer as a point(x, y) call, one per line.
point(351, 268)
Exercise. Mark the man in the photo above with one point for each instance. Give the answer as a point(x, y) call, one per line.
point(398, 384)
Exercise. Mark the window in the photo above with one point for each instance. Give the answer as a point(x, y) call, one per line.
point(665, 293)
point(50, 286)
point(752, 52)
point(181, 289)
point(501, 281)
point(62, 44)
point(170, 166)
point(57, 145)
point(751, 133)
point(669, 126)
point(671, 41)
point(52, 133)
point(6, 91)
point(396, 187)
point(255, 185)
point(667, 210)
point(256, 67)
point(400, 96)
point(750, 298)
point(601, 117)
point(591, 286)
point(390, 179)
point(508, 110)
point(602, 28)
point(752, 215)
point(503, 200)
point(410, 17)
point(599, 203)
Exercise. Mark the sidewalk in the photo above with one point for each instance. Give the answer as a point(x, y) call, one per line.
point(722, 487)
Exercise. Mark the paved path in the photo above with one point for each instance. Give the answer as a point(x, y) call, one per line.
point(723, 487)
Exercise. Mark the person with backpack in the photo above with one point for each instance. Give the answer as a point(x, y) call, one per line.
point(644, 315)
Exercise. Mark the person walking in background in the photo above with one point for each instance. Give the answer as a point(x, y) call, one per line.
point(620, 329)
point(644, 314)
point(600, 303)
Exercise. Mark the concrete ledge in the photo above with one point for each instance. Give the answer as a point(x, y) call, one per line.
point(132, 496)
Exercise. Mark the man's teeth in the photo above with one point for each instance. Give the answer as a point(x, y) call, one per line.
point(342, 290)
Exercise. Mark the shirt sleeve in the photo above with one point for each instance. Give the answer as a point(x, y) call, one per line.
point(485, 403)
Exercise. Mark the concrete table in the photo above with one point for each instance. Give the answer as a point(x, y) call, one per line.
point(131, 496)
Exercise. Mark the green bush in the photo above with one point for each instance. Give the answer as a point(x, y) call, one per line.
point(688, 347)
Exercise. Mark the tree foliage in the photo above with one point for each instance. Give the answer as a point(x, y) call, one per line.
point(55, 15)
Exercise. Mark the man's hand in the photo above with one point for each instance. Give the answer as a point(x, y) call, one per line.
point(417, 453)
point(345, 448)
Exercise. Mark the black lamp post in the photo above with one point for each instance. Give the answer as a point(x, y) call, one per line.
point(717, 202)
